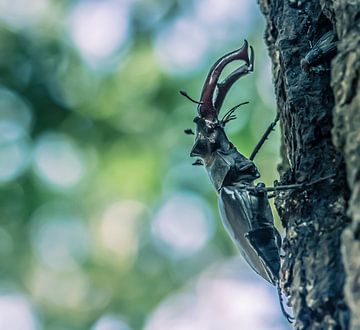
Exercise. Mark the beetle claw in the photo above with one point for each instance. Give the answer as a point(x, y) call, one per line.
point(288, 316)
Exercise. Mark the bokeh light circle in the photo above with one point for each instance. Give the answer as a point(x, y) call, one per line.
point(110, 322)
point(183, 224)
point(59, 238)
point(15, 145)
point(99, 28)
point(16, 313)
point(58, 161)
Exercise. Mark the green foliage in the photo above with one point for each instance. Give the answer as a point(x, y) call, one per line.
point(94, 156)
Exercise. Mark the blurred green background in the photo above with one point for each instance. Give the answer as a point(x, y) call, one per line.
point(104, 223)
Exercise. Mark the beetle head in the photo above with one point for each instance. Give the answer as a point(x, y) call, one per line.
point(210, 135)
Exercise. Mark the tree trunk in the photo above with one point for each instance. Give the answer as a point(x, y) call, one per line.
point(345, 81)
point(320, 122)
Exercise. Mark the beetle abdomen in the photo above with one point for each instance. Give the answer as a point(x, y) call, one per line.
point(263, 240)
point(258, 244)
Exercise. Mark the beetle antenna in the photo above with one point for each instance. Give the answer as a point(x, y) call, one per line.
point(229, 115)
point(183, 93)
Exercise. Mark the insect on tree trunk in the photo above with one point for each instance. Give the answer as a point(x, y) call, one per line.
point(317, 87)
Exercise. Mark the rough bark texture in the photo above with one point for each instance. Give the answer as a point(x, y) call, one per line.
point(313, 272)
point(345, 81)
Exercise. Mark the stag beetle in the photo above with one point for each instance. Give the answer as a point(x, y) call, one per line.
point(244, 207)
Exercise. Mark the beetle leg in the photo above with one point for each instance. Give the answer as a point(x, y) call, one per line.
point(299, 185)
point(289, 186)
point(264, 137)
point(281, 301)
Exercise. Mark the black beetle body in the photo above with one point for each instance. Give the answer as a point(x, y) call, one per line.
point(244, 207)
point(246, 215)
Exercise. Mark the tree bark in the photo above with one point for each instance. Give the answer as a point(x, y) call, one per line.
point(345, 81)
point(321, 136)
